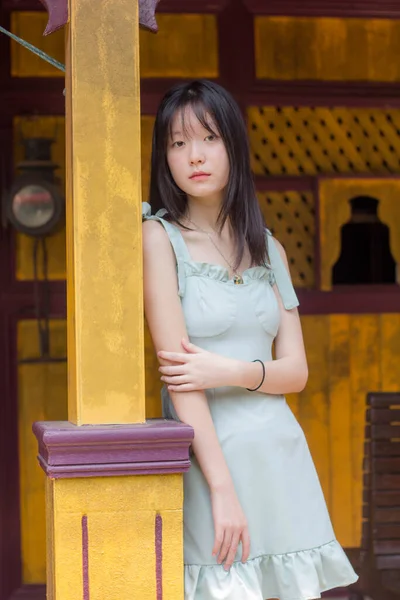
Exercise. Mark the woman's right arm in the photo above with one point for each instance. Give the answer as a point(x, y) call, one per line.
point(166, 322)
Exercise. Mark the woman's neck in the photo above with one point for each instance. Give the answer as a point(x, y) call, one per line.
point(203, 214)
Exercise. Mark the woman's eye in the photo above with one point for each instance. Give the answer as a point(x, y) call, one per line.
point(211, 137)
point(178, 144)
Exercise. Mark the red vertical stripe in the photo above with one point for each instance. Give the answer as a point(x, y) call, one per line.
point(158, 544)
point(85, 557)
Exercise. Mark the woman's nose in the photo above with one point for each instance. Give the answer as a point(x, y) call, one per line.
point(197, 160)
point(196, 156)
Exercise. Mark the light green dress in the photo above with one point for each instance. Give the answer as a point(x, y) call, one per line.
point(294, 553)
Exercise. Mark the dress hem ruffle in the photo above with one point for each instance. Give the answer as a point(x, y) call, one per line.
point(301, 575)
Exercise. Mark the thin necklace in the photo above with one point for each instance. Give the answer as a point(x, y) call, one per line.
point(237, 279)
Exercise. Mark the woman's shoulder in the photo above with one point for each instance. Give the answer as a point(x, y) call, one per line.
point(161, 257)
point(155, 238)
point(279, 247)
point(152, 227)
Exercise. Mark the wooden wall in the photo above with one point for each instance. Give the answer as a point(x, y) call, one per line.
point(349, 354)
point(326, 48)
point(42, 395)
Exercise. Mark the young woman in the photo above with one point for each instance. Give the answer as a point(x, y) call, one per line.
point(255, 520)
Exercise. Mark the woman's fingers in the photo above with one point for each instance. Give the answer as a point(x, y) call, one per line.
point(180, 357)
point(245, 545)
point(176, 379)
point(228, 534)
point(184, 387)
point(232, 551)
point(191, 348)
point(218, 540)
point(175, 370)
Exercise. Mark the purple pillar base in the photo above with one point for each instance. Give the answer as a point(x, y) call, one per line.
point(156, 447)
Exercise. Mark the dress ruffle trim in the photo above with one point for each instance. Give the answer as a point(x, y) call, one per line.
point(220, 273)
point(299, 575)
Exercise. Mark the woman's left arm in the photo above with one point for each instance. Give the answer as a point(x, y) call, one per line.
point(288, 373)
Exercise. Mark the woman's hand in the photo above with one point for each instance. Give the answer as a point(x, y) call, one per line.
point(230, 526)
point(197, 369)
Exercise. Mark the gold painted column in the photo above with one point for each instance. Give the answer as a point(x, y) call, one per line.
point(114, 492)
point(104, 242)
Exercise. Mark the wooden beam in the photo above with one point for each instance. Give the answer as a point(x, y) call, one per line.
point(324, 93)
point(350, 300)
point(236, 60)
point(193, 6)
point(10, 539)
point(374, 9)
point(26, 96)
point(284, 183)
point(166, 6)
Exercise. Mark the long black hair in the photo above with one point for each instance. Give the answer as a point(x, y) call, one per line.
point(209, 101)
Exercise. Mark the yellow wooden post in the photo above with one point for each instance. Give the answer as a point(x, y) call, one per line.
point(104, 242)
point(114, 485)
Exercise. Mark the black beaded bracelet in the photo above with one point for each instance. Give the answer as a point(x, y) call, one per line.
point(263, 376)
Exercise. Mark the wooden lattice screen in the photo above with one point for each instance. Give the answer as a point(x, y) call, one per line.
point(312, 141)
point(291, 218)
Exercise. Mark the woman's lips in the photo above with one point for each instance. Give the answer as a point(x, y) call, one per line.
point(200, 175)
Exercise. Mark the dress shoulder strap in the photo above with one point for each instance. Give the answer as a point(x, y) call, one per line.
point(280, 275)
point(177, 242)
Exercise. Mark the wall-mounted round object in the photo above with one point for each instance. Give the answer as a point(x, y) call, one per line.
point(34, 206)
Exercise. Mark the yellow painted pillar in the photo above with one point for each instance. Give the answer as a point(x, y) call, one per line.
point(104, 242)
point(114, 509)
point(114, 481)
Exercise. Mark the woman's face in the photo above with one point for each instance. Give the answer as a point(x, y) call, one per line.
point(197, 159)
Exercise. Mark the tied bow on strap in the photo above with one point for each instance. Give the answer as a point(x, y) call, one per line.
point(146, 210)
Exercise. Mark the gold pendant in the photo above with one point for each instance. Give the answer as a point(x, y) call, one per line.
point(237, 280)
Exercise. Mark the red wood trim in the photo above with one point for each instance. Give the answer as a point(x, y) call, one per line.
point(378, 9)
point(388, 9)
point(194, 6)
point(282, 93)
point(382, 176)
point(284, 183)
point(350, 300)
point(29, 592)
point(6, 157)
point(324, 93)
point(36, 95)
point(155, 447)
point(45, 95)
point(10, 544)
point(5, 50)
point(167, 6)
point(27, 5)
point(10, 553)
point(23, 303)
point(317, 235)
point(236, 60)
point(21, 288)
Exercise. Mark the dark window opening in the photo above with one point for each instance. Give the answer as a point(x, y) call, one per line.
point(365, 256)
